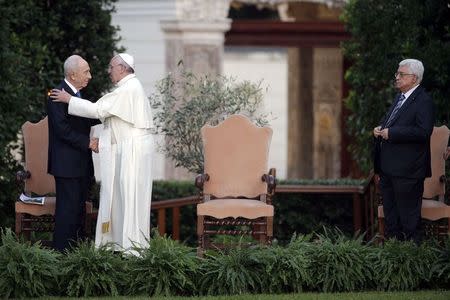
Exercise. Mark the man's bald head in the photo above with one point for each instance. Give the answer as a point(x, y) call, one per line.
point(72, 63)
point(77, 71)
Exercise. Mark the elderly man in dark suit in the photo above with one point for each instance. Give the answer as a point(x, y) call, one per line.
point(402, 155)
point(70, 156)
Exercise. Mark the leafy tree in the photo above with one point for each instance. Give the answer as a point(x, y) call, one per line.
point(384, 32)
point(36, 37)
point(183, 103)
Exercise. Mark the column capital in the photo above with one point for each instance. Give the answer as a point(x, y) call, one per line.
point(202, 10)
point(198, 32)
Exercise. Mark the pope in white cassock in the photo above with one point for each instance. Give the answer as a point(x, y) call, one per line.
point(125, 149)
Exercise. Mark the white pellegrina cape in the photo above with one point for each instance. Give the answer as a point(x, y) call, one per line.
point(125, 149)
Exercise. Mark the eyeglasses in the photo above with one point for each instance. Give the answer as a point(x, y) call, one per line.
point(401, 74)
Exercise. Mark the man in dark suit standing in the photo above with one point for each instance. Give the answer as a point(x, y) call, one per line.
point(70, 156)
point(402, 153)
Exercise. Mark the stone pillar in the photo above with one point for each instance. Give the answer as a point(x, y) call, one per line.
point(315, 98)
point(300, 113)
point(195, 37)
point(327, 99)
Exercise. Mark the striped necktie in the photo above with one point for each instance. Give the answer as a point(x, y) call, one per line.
point(395, 111)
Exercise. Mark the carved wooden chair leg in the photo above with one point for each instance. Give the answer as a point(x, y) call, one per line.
point(269, 230)
point(200, 232)
point(200, 249)
point(206, 242)
point(381, 230)
point(448, 226)
point(18, 230)
point(263, 238)
point(255, 228)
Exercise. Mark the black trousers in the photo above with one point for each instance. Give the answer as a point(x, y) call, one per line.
point(71, 196)
point(402, 204)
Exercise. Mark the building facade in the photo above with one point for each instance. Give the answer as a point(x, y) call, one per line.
point(301, 70)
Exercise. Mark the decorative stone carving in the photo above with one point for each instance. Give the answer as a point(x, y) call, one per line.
point(201, 10)
point(330, 3)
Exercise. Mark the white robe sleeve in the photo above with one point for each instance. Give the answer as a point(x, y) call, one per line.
point(83, 108)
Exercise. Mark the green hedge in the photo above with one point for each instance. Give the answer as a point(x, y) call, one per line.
point(329, 262)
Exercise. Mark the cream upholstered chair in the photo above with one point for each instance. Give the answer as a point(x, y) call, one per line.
point(236, 188)
point(433, 205)
point(33, 217)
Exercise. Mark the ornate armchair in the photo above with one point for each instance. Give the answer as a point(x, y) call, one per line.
point(236, 187)
point(433, 206)
point(35, 217)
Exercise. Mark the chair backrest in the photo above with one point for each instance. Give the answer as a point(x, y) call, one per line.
point(434, 186)
point(236, 154)
point(35, 137)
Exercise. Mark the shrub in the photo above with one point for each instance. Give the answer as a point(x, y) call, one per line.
point(26, 270)
point(339, 262)
point(184, 103)
point(165, 268)
point(330, 262)
point(89, 271)
point(287, 269)
point(233, 273)
point(401, 265)
point(441, 267)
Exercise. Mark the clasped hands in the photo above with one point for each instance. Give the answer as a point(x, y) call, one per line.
point(93, 144)
point(384, 133)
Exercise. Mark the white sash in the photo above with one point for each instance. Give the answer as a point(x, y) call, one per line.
point(107, 178)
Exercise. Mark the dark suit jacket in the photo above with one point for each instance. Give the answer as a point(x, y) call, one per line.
point(68, 150)
point(407, 151)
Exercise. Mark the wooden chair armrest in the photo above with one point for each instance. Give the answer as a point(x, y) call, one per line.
point(22, 175)
point(200, 179)
point(271, 181)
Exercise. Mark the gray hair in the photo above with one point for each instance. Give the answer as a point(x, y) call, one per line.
point(72, 64)
point(120, 60)
point(415, 67)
